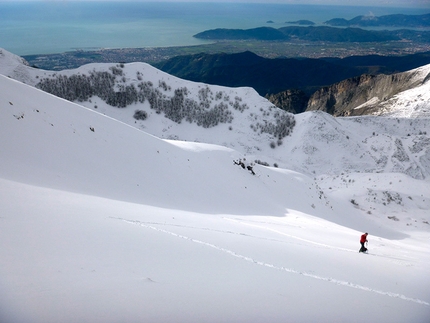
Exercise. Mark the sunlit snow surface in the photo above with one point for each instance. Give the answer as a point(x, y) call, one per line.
point(103, 222)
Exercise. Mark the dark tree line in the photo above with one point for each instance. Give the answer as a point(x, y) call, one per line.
point(280, 128)
point(208, 109)
point(80, 87)
point(177, 107)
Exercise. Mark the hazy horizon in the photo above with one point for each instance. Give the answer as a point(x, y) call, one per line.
point(425, 4)
point(46, 27)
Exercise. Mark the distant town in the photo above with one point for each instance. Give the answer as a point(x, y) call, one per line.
point(267, 49)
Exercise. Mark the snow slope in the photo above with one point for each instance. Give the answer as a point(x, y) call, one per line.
point(103, 222)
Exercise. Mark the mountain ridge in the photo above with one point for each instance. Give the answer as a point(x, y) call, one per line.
point(265, 75)
point(366, 145)
point(315, 33)
point(254, 127)
point(271, 76)
point(27, 162)
point(311, 33)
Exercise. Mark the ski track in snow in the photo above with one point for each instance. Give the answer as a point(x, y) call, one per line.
point(288, 270)
point(402, 261)
point(312, 242)
point(291, 236)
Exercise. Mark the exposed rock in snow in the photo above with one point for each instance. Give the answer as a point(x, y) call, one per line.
point(402, 94)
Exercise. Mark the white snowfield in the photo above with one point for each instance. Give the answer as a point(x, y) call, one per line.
point(104, 221)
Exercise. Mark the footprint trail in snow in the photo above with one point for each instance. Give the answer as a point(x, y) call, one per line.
point(289, 270)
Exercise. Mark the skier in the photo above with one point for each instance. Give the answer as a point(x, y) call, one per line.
point(363, 239)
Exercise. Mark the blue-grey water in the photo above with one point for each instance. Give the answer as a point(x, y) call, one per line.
point(45, 27)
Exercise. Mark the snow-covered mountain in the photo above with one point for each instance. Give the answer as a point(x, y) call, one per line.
point(106, 218)
point(238, 118)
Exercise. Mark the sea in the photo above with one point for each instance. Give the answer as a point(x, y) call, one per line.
point(47, 27)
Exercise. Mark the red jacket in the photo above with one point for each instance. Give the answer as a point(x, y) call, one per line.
point(363, 238)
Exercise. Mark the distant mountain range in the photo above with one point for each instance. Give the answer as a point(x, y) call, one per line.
point(311, 33)
point(270, 76)
point(264, 75)
point(304, 33)
point(397, 20)
point(334, 85)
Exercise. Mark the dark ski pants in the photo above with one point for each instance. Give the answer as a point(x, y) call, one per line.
point(363, 248)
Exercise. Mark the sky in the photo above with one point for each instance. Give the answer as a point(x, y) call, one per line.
point(395, 3)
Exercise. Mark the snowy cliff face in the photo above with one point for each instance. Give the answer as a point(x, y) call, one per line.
point(374, 95)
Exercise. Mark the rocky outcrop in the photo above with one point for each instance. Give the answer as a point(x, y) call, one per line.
point(365, 94)
point(294, 101)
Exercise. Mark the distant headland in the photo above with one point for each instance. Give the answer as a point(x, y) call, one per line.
point(311, 33)
point(398, 20)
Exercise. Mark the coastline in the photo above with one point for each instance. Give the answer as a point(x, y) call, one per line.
point(46, 27)
point(267, 49)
